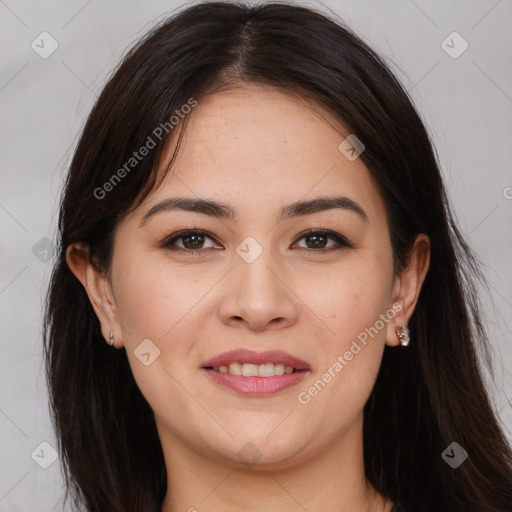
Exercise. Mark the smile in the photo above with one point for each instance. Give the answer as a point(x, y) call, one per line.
point(256, 373)
point(255, 370)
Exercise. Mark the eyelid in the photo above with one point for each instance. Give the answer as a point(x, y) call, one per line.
point(340, 239)
point(179, 234)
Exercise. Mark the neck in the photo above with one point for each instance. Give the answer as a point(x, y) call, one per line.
point(332, 481)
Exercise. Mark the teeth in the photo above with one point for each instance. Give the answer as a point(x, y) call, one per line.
point(266, 370)
point(249, 370)
point(254, 370)
point(279, 369)
point(235, 369)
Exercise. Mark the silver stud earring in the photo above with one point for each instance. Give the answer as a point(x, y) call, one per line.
point(403, 335)
point(111, 339)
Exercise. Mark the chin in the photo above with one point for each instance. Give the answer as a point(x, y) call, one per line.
point(253, 452)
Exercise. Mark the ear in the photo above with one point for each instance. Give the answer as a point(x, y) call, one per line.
point(98, 288)
point(407, 286)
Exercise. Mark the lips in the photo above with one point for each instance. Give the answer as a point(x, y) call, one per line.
point(250, 357)
point(236, 371)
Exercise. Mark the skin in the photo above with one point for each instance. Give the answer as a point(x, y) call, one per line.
point(257, 149)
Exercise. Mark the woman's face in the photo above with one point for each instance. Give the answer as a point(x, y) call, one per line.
point(257, 282)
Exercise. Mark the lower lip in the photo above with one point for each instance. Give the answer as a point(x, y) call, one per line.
point(257, 386)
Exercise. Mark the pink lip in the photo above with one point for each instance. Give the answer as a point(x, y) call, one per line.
point(249, 356)
point(256, 386)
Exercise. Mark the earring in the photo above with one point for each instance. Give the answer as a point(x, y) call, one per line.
point(111, 339)
point(403, 335)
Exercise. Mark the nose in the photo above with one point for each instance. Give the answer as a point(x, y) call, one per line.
point(259, 295)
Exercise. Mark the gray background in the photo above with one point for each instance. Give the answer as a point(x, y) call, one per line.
point(466, 103)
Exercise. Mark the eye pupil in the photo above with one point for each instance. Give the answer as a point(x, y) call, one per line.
point(193, 236)
point(316, 237)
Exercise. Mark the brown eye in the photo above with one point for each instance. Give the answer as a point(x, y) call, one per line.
point(317, 240)
point(192, 241)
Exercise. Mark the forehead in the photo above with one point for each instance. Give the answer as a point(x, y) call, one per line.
point(261, 146)
point(260, 126)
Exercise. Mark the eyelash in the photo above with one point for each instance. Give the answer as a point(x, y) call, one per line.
point(341, 240)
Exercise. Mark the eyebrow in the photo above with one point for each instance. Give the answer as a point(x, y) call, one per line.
point(223, 211)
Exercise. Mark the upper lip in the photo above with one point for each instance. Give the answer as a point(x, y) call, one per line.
point(251, 357)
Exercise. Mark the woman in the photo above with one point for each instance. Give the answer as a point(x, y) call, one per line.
point(262, 299)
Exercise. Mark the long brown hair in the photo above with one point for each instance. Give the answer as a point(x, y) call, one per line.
point(425, 397)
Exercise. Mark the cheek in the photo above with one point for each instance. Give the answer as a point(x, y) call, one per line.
point(348, 300)
point(353, 307)
point(153, 299)
point(154, 304)
point(167, 306)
